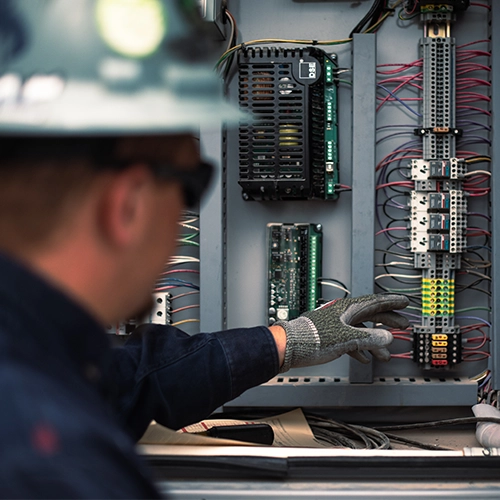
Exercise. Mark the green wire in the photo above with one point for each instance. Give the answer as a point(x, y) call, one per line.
point(343, 81)
point(188, 236)
point(467, 309)
point(188, 243)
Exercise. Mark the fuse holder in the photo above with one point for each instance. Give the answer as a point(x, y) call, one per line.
point(439, 362)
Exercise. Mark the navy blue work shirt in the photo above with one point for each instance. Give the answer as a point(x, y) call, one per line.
point(71, 407)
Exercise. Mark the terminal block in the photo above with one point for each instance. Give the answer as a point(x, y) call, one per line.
point(437, 348)
point(438, 297)
point(160, 314)
point(442, 5)
point(294, 266)
point(436, 261)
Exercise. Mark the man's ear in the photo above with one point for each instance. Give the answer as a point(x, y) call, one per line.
point(125, 201)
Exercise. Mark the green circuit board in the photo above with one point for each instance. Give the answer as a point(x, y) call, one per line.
point(294, 266)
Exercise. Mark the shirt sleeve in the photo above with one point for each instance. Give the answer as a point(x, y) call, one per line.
point(166, 375)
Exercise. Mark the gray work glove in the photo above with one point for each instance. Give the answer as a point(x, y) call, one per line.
point(336, 328)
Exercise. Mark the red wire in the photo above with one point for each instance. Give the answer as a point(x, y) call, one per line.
point(185, 308)
point(384, 161)
point(183, 295)
point(475, 180)
point(480, 5)
point(172, 271)
point(388, 229)
point(475, 109)
point(403, 67)
point(459, 47)
point(400, 337)
point(408, 184)
point(398, 88)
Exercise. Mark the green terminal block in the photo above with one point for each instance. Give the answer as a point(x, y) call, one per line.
point(331, 131)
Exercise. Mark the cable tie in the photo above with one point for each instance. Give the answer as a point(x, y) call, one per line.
point(315, 42)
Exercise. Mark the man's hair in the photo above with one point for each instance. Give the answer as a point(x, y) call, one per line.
point(37, 196)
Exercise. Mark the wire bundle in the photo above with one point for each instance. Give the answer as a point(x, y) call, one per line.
point(181, 272)
point(341, 435)
point(371, 22)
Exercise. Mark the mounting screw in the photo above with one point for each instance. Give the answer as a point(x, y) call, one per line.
point(319, 227)
point(245, 196)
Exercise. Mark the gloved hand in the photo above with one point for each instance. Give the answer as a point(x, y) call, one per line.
point(335, 328)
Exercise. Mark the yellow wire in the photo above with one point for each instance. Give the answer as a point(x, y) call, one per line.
point(384, 17)
point(304, 42)
point(477, 160)
point(177, 323)
point(280, 40)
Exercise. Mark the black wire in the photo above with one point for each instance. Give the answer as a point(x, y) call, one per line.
point(477, 255)
point(370, 17)
point(398, 170)
point(397, 220)
point(417, 444)
point(472, 286)
point(439, 423)
point(383, 250)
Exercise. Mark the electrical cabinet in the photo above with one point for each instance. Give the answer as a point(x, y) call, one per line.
point(414, 132)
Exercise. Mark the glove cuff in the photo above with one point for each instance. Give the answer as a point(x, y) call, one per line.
point(302, 343)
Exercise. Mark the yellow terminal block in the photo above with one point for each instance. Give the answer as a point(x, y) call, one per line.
point(439, 356)
point(439, 344)
point(439, 337)
point(438, 297)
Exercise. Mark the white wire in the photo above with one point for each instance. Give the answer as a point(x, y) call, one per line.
point(400, 256)
point(181, 259)
point(474, 172)
point(194, 228)
point(398, 276)
point(394, 263)
point(334, 285)
point(231, 35)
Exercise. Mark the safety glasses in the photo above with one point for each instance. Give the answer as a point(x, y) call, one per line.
point(194, 182)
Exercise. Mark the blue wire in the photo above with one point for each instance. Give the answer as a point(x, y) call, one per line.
point(392, 94)
point(481, 320)
point(477, 247)
point(484, 382)
point(174, 281)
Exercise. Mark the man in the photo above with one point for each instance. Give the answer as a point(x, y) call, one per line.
point(96, 165)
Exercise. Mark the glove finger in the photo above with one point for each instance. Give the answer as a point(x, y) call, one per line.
point(381, 354)
point(391, 319)
point(359, 356)
point(365, 307)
